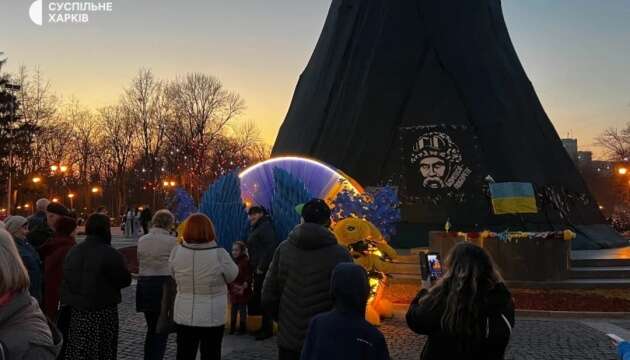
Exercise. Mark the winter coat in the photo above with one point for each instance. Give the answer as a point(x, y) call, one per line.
point(202, 272)
point(38, 230)
point(343, 333)
point(297, 286)
point(243, 280)
point(25, 333)
point(94, 273)
point(498, 312)
point(261, 244)
point(154, 249)
point(33, 265)
point(52, 254)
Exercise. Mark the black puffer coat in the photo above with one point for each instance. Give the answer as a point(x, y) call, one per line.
point(297, 286)
point(93, 275)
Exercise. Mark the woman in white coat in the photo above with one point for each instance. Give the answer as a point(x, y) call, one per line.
point(202, 271)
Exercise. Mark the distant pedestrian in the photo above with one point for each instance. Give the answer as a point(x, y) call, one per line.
point(145, 219)
point(468, 313)
point(102, 210)
point(297, 286)
point(343, 333)
point(53, 253)
point(39, 231)
point(129, 222)
point(262, 243)
point(154, 250)
point(94, 273)
point(24, 330)
point(17, 226)
point(202, 271)
point(240, 289)
point(137, 227)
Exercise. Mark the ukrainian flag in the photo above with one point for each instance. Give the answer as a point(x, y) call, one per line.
point(513, 198)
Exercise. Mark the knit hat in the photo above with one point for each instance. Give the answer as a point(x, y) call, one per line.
point(14, 223)
point(316, 211)
point(56, 208)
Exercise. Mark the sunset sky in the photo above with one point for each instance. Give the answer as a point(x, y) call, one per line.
point(576, 52)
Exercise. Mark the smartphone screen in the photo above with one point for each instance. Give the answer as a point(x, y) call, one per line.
point(435, 266)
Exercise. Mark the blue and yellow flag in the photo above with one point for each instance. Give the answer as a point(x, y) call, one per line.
point(513, 198)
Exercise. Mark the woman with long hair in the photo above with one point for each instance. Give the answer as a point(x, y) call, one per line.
point(202, 271)
point(468, 313)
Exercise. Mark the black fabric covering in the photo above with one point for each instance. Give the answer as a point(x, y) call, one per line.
point(383, 65)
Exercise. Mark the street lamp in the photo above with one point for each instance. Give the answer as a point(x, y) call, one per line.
point(71, 197)
point(622, 171)
point(55, 200)
point(63, 168)
point(37, 180)
point(95, 190)
point(54, 168)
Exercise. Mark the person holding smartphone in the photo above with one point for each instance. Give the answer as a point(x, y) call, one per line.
point(468, 312)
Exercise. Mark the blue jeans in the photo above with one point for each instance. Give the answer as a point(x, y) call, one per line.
point(154, 344)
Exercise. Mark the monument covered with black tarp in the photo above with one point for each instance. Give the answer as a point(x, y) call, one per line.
point(430, 96)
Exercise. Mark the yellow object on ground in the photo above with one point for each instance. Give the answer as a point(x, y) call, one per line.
point(369, 249)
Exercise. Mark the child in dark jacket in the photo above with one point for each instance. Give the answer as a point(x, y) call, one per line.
point(240, 289)
point(343, 332)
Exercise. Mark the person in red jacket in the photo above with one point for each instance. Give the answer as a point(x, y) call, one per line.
point(53, 252)
point(240, 289)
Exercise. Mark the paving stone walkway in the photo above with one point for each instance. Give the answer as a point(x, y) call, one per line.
point(532, 339)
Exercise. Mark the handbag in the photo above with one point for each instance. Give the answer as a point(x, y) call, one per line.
point(166, 324)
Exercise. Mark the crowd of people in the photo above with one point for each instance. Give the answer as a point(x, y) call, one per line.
point(59, 299)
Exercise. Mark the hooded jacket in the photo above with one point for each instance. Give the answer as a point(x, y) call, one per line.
point(297, 286)
point(25, 333)
point(498, 312)
point(52, 254)
point(93, 275)
point(343, 333)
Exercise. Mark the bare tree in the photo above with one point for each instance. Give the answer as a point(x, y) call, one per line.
point(202, 110)
point(37, 101)
point(615, 142)
point(118, 129)
point(147, 104)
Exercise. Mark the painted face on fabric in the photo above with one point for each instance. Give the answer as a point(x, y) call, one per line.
point(432, 170)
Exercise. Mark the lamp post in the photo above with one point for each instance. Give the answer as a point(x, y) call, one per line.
point(71, 197)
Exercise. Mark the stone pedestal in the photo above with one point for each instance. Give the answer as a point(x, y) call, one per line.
point(519, 260)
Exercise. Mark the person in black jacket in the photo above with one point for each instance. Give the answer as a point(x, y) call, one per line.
point(468, 313)
point(261, 243)
point(39, 231)
point(343, 334)
point(297, 286)
point(93, 275)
